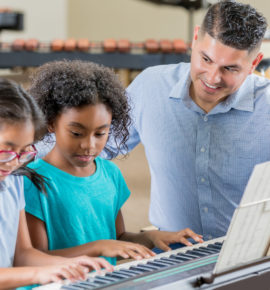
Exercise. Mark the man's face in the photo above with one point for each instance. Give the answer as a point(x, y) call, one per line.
point(217, 70)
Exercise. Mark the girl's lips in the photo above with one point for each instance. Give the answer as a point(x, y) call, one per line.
point(85, 158)
point(5, 172)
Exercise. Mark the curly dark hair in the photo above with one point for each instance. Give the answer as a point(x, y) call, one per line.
point(60, 85)
point(235, 24)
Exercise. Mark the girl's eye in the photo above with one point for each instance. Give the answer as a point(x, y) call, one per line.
point(76, 134)
point(100, 134)
point(230, 69)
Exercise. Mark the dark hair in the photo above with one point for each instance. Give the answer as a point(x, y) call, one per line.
point(60, 85)
point(17, 106)
point(235, 24)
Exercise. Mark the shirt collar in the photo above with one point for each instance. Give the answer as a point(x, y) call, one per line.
point(242, 99)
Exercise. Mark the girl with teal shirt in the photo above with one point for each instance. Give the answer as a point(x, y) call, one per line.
point(84, 105)
point(21, 124)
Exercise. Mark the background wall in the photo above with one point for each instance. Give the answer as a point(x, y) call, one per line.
point(43, 20)
point(136, 20)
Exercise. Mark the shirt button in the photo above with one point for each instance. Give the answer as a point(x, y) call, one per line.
point(205, 209)
point(202, 179)
point(205, 118)
point(202, 149)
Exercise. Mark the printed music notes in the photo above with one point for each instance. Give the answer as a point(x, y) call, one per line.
point(248, 236)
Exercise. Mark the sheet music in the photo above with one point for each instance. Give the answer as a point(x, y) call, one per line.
point(248, 236)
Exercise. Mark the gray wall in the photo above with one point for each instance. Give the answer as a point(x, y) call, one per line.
point(97, 20)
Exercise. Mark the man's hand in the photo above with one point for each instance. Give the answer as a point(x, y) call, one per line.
point(162, 239)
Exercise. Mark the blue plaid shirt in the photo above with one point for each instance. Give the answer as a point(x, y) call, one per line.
point(200, 163)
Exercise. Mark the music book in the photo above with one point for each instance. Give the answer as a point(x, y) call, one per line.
point(248, 236)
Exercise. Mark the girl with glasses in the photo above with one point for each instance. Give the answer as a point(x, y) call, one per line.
point(21, 124)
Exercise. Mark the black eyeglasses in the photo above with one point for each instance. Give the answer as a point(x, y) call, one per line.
point(6, 156)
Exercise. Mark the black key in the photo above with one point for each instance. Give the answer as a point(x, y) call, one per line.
point(197, 253)
point(192, 256)
point(206, 250)
point(147, 267)
point(154, 263)
point(173, 261)
point(98, 281)
point(214, 247)
point(72, 287)
point(105, 279)
point(143, 269)
point(168, 263)
point(178, 260)
point(87, 284)
point(137, 269)
point(133, 269)
point(117, 276)
point(121, 273)
point(128, 272)
point(181, 258)
point(218, 243)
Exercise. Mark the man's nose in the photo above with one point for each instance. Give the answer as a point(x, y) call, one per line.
point(214, 76)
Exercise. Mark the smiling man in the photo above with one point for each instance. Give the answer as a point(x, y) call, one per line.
point(204, 124)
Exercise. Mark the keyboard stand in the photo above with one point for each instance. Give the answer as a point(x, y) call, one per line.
point(248, 277)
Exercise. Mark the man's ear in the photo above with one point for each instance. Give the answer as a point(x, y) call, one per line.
point(255, 62)
point(195, 34)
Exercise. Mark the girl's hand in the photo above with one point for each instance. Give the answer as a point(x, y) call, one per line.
point(112, 248)
point(162, 239)
point(73, 269)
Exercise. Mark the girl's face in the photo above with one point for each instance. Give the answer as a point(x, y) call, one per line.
point(81, 134)
point(16, 137)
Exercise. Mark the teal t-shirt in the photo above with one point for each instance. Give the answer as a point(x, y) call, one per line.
point(77, 210)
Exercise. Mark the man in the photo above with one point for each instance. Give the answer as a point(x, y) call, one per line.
point(204, 125)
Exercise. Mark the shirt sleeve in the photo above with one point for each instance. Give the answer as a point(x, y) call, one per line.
point(33, 199)
point(123, 191)
point(21, 192)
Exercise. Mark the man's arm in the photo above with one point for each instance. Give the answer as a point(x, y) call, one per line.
point(160, 239)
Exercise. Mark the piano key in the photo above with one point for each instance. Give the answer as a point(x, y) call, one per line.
point(218, 243)
point(146, 266)
point(128, 272)
point(192, 256)
point(99, 281)
point(103, 278)
point(132, 268)
point(73, 287)
point(181, 258)
point(155, 263)
point(174, 261)
point(87, 284)
point(209, 251)
point(168, 263)
point(178, 259)
point(197, 253)
point(118, 276)
point(123, 274)
point(135, 268)
point(215, 247)
point(143, 268)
